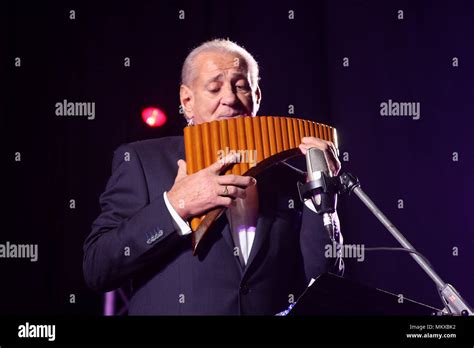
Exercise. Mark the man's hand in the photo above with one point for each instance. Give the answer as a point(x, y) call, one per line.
point(327, 147)
point(194, 194)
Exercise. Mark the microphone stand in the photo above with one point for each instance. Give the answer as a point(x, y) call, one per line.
point(347, 183)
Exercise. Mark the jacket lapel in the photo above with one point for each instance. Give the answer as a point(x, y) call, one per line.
point(227, 234)
point(262, 231)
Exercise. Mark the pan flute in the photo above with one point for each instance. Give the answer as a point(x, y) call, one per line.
point(260, 142)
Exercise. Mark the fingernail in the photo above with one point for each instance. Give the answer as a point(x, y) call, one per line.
point(254, 181)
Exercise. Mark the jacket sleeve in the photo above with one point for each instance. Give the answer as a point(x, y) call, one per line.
point(130, 230)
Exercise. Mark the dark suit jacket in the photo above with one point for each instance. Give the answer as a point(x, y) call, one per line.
point(166, 278)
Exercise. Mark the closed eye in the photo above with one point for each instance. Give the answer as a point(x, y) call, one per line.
point(244, 88)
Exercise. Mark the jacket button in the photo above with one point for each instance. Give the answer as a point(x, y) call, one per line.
point(244, 289)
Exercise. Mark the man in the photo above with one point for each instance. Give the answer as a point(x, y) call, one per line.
point(256, 259)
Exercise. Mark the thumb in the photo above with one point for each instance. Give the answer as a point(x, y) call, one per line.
point(181, 170)
point(303, 148)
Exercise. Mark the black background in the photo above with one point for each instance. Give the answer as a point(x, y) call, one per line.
point(65, 158)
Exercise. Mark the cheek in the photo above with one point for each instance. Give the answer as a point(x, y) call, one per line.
point(247, 100)
point(207, 105)
point(204, 102)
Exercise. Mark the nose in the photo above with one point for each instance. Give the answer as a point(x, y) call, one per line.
point(229, 97)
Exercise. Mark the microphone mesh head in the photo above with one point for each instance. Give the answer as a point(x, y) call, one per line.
point(316, 163)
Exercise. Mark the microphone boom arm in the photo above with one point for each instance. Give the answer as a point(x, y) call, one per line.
point(347, 183)
point(452, 301)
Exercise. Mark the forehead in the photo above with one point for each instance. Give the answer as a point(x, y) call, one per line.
point(210, 64)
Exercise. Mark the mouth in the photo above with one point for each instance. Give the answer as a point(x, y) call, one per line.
point(233, 115)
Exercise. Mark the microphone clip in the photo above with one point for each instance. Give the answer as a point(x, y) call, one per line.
point(325, 184)
point(344, 183)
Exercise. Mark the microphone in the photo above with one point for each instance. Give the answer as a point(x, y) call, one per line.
point(322, 188)
point(324, 202)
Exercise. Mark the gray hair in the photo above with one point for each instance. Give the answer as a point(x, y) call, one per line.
point(224, 46)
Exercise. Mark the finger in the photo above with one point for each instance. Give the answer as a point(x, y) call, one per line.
point(225, 201)
point(303, 149)
point(334, 149)
point(312, 140)
point(315, 142)
point(333, 160)
point(332, 163)
point(320, 144)
point(307, 139)
point(182, 171)
point(236, 180)
point(329, 154)
point(226, 162)
point(232, 191)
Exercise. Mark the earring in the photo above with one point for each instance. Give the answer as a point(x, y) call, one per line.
point(191, 121)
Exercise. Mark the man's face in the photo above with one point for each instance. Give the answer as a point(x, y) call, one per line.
point(221, 88)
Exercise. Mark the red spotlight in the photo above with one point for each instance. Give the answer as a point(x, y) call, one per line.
point(153, 117)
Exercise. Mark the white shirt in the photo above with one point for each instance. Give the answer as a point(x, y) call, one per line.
point(242, 221)
point(183, 226)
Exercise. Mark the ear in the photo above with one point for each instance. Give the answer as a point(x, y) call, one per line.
point(257, 100)
point(186, 98)
point(258, 94)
